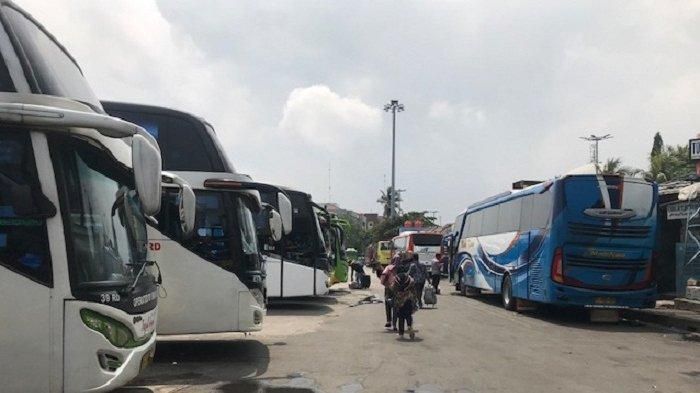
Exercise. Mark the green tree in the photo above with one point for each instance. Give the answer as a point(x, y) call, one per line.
point(613, 166)
point(667, 163)
point(389, 227)
point(671, 163)
point(658, 145)
point(386, 203)
point(355, 234)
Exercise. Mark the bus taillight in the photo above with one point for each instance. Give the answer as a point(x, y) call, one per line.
point(558, 266)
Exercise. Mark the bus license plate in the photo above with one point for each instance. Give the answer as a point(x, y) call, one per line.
point(605, 301)
point(147, 359)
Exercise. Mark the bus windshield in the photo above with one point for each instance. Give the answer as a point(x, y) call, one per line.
point(612, 192)
point(425, 239)
point(55, 71)
point(107, 232)
point(223, 221)
point(249, 240)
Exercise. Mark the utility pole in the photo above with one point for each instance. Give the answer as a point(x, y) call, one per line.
point(595, 139)
point(393, 107)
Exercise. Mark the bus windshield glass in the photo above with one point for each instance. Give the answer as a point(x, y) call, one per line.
point(424, 239)
point(107, 233)
point(612, 192)
point(249, 241)
point(55, 71)
point(306, 239)
point(183, 139)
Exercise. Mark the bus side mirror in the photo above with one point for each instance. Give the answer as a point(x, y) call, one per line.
point(275, 222)
point(145, 159)
point(187, 210)
point(285, 211)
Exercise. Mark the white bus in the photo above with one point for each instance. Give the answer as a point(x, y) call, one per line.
point(299, 265)
point(79, 301)
point(215, 280)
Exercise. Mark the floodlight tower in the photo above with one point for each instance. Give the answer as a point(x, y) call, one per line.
point(594, 139)
point(393, 107)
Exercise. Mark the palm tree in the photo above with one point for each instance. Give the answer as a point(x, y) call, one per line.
point(671, 163)
point(613, 166)
point(386, 203)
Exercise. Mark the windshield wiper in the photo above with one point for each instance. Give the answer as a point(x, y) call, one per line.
point(143, 264)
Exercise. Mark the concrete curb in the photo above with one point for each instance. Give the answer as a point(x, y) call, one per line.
point(680, 319)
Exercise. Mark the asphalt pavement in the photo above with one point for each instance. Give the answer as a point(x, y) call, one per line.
point(334, 344)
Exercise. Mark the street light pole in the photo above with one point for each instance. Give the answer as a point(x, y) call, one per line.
point(393, 107)
point(596, 139)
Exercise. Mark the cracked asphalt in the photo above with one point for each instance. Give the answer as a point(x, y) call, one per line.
point(464, 345)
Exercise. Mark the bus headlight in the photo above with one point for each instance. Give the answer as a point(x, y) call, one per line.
point(114, 331)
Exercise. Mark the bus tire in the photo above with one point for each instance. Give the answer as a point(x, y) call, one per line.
point(463, 288)
point(507, 298)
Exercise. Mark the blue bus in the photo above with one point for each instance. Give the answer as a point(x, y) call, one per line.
point(578, 240)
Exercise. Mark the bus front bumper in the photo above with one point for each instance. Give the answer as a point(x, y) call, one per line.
point(91, 362)
point(572, 296)
point(251, 312)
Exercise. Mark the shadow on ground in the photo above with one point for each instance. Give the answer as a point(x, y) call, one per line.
point(572, 317)
point(300, 307)
point(205, 362)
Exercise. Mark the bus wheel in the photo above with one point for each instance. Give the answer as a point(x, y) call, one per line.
point(507, 294)
point(461, 287)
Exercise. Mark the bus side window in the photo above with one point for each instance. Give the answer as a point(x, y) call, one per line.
point(541, 210)
point(489, 225)
point(526, 214)
point(474, 223)
point(24, 243)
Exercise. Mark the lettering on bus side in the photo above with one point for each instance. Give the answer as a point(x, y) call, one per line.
point(154, 246)
point(141, 300)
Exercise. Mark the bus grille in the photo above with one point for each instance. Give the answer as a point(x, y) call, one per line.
point(609, 231)
point(607, 264)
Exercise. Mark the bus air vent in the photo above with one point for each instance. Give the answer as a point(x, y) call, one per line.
point(626, 231)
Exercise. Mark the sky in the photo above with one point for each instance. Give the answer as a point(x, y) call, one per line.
point(494, 92)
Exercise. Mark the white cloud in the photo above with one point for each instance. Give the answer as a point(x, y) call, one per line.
point(441, 110)
point(461, 113)
point(323, 118)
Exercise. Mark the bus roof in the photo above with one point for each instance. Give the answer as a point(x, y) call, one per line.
point(534, 189)
point(203, 129)
point(155, 109)
point(43, 29)
point(508, 195)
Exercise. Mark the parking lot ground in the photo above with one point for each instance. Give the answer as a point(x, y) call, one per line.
point(331, 344)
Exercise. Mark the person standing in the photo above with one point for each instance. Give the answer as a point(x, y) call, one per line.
point(435, 269)
point(404, 299)
point(419, 273)
point(387, 279)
